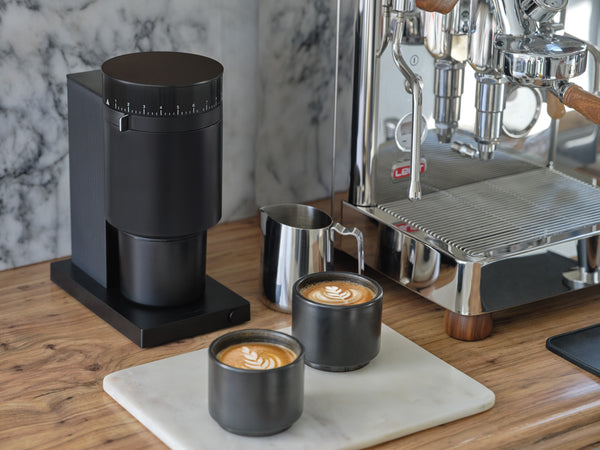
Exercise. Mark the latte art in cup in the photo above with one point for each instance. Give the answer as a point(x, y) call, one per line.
point(256, 356)
point(337, 292)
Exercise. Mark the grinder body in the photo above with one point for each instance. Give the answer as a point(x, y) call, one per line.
point(163, 137)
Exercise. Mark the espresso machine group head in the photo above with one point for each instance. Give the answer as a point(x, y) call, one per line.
point(480, 220)
point(145, 148)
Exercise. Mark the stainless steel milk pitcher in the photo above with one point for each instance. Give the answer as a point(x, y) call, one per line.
point(297, 240)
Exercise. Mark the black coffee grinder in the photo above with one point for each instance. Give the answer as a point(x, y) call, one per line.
point(145, 154)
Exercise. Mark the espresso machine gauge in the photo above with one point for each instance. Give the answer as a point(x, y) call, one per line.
point(160, 120)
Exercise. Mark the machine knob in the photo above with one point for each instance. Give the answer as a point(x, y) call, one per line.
point(542, 10)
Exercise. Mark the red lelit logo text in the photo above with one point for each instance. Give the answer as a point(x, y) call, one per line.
point(406, 227)
point(404, 171)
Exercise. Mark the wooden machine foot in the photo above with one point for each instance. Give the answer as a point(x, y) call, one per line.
point(468, 328)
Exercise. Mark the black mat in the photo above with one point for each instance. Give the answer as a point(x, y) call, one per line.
point(581, 347)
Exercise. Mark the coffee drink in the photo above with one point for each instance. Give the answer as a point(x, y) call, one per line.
point(337, 292)
point(256, 356)
point(337, 317)
point(255, 381)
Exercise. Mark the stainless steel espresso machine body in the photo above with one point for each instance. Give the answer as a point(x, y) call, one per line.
point(466, 170)
point(145, 154)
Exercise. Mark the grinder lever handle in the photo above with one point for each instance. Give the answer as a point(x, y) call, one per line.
point(440, 6)
point(583, 102)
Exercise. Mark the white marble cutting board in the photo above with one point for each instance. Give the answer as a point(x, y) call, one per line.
point(404, 390)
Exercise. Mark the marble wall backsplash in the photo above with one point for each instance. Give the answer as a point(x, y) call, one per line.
point(278, 99)
point(297, 75)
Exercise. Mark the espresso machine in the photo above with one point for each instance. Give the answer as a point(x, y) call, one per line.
point(476, 198)
point(145, 154)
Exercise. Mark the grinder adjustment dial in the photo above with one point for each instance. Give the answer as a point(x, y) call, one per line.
point(162, 84)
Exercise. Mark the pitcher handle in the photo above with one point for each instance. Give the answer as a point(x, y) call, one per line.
point(339, 228)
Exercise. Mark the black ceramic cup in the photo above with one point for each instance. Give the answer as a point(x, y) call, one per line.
point(255, 402)
point(337, 338)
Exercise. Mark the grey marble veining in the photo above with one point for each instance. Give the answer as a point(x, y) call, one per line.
point(297, 56)
point(41, 42)
point(278, 99)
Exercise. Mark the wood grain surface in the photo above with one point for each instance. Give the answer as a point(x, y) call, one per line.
point(554, 106)
point(468, 328)
point(440, 6)
point(54, 354)
point(583, 102)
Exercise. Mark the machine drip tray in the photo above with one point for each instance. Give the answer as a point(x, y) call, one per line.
point(147, 326)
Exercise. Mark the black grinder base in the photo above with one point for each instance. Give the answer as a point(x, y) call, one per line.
point(91, 275)
point(148, 326)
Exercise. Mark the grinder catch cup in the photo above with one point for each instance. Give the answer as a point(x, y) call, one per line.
point(297, 240)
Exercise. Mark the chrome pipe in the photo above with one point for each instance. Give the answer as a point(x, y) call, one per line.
point(415, 85)
point(595, 51)
point(596, 54)
point(385, 26)
point(438, 40)
point(482, 37)
point(490, 101)
point(553, 147)
point(509, 17)
point(365, 103)
point(448, 89)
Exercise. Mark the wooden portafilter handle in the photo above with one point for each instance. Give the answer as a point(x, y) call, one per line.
point(583, 102)
point(440, 6)
point(556, 110)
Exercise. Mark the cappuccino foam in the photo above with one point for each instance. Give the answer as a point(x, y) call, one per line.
point(256, 355)
point(337, 292)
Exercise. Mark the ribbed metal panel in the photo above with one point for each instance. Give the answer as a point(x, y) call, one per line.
point(501, 214)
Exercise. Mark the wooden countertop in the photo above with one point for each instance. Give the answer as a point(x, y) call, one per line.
point(54, 354)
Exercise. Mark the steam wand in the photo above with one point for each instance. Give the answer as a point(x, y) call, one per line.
point(414, 86)
point(393, 18)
